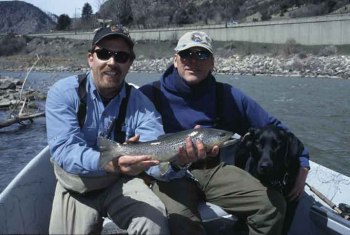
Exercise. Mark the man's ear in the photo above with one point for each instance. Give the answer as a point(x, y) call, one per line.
point(212, 63)
point(175, 61)
point(90, 58)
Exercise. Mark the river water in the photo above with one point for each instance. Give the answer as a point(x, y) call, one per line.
point(317, 110)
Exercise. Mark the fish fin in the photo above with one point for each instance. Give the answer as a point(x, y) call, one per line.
point(235, 138)
point(107, 149)
point(164, 167)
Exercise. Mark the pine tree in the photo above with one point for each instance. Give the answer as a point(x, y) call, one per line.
point(86, 12)
point(63, 22)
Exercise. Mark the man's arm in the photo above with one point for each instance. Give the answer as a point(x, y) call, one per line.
point(67, 143)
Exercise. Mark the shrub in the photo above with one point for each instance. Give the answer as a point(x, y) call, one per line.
point(11, 44)
point(328, 50)
point(290, 47)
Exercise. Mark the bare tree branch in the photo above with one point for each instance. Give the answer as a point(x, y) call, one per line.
point(23, 105)
point(28, 72)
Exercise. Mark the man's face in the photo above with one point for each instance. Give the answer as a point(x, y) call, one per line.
point(109, 71)
point(194, 64)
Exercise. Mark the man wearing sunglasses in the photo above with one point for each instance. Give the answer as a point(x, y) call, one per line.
point(86, 191)
point(187, 96)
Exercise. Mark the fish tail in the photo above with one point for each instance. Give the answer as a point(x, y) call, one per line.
point(107, 149)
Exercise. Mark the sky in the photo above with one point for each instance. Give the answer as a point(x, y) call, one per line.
point(58, 7)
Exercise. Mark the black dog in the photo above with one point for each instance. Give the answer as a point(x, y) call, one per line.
point(272, 155)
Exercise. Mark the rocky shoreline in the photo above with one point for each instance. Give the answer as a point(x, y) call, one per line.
point(335, 66)
point(10, 94)
point(311, 66)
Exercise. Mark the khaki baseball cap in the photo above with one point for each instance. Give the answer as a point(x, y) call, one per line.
point(194, 39)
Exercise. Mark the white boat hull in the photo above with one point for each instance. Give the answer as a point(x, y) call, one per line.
point(25, 204)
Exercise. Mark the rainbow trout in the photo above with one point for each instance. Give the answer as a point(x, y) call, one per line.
point(166, 147)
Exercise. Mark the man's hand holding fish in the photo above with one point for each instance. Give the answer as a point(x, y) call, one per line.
point(193, 152)
point(130, 165)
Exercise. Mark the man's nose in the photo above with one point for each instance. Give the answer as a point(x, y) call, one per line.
point(112, 61)
point(192, 59)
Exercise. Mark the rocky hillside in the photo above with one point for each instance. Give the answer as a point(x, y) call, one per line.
point(163, 13)
point(23, 18)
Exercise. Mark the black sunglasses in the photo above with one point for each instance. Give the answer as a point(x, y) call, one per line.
point(197, 55)
point(119, 56)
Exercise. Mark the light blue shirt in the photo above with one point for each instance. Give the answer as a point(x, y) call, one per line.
point(75, 149)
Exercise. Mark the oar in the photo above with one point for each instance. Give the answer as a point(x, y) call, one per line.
point(326, 200)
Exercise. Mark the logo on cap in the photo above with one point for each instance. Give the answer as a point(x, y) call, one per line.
point(200, 38)
point(196, 37)
point(114, 29)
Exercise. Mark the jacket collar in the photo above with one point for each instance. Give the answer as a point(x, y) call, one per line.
point(173, 82)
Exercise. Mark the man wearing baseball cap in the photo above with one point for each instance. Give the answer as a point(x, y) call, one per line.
point(188, 96)
point(81, 108)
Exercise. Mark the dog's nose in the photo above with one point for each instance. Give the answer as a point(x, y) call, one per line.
point(265, 166)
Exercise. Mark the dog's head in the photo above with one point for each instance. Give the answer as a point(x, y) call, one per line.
point(273, 154)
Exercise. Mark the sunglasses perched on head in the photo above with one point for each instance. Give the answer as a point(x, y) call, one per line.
point(197, 55)
point(119, 56)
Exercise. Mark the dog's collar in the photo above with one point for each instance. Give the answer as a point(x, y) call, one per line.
point(279, 184)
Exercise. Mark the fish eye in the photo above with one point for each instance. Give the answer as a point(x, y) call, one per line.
point(222, 134)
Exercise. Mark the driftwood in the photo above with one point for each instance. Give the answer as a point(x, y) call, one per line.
point(20, 119)
point(21, 116)
point(8, 104)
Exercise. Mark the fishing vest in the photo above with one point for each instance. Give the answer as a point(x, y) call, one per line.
point(84, 184)
point(118, 133)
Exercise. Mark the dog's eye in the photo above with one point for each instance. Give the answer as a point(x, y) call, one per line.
point(259, 145)
point(278, 145)
point(275, 145)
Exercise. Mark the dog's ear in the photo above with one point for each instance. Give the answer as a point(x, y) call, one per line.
point(248, 138)
point(295, 147)
point(253, 132)
point(242, 153)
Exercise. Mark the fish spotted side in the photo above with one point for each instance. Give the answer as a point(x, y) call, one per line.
point(165, 148)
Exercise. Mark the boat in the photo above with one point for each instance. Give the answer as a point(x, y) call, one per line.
point(25, 204)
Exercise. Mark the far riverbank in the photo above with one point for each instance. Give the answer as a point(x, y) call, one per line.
point(311, 66)
point(234, 58)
